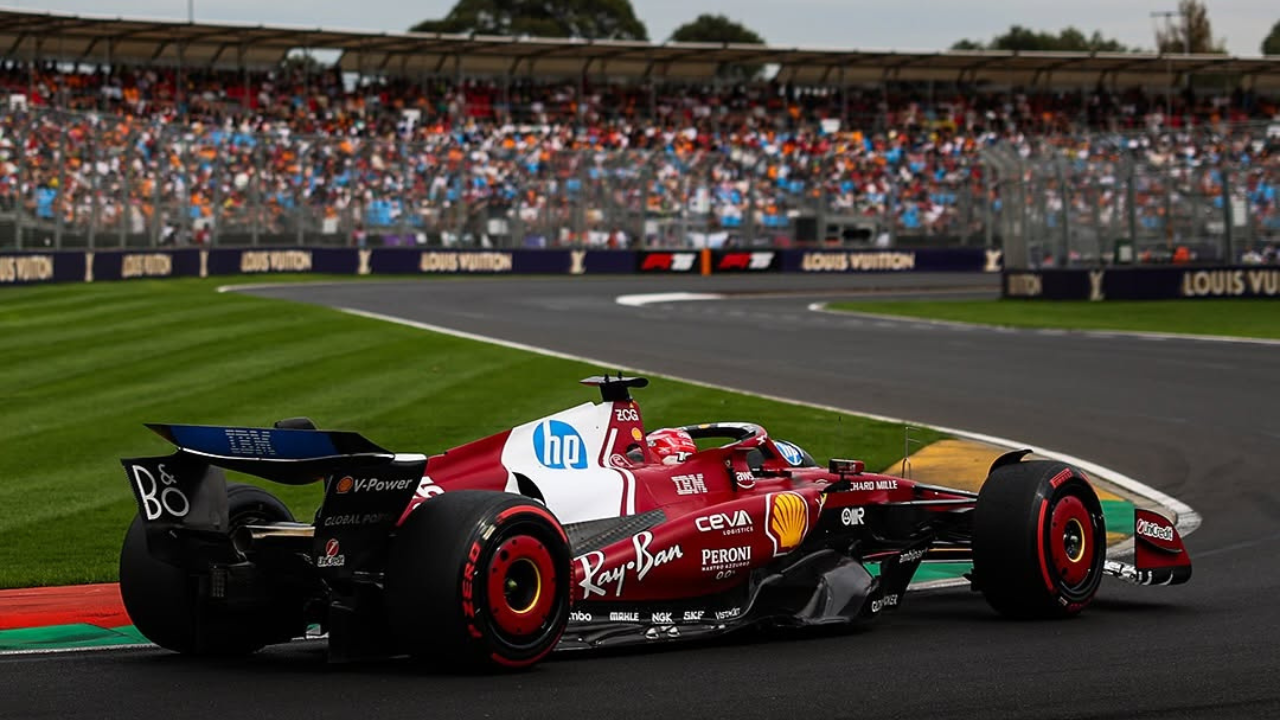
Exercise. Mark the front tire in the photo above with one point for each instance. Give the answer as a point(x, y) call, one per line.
point(168, 606)
point(1039, 540)
point(479, 581)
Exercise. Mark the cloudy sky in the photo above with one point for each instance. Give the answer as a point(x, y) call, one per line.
point(898, 24)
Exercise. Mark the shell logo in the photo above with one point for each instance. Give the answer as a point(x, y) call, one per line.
point(344, 485)
point(788, 521)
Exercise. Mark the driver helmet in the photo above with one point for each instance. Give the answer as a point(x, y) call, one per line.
point(671, 445)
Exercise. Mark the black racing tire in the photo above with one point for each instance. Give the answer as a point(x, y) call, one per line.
point(479, 581)
point(1039, 540)
point(166, 604)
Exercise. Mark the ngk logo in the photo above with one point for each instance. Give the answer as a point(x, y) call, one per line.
point(1151, 530)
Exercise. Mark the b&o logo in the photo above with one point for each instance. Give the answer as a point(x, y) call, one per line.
point(558, 446)
point(159, 497)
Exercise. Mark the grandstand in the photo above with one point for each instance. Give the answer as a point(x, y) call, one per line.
point(126, 132)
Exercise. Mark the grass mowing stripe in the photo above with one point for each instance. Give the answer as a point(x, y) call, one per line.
point(178, 352)
point(1230, 317)
point(96, 409)
point(121, 375)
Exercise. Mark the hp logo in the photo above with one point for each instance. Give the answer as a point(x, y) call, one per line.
point(558, 446)
point(790, 452)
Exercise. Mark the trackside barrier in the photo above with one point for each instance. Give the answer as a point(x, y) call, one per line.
point(21, 268)
point(715, 262)
point(1144, 283)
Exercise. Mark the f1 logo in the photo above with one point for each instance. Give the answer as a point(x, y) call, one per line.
point(746, 261)
point(670, 262)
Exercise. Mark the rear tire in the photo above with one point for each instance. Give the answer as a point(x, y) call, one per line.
point(1039, 540)
point(167, 606)
point(479, 581)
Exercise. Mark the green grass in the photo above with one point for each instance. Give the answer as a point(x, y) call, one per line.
point(1232, 317)
point(85, 365)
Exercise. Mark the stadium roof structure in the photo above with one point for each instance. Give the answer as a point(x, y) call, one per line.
point(94, 39)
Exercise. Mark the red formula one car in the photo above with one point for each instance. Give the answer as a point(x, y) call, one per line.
point(571, 532)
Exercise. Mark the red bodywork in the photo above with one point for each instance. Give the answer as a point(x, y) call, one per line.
point(727, 510)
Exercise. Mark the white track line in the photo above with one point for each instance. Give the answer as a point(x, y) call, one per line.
point(87, 648)
point(650, 298)
point(1187, 519)
point(276, 285)
point(821, 307)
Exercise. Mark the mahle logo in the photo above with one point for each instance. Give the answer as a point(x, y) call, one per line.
point(558, 446)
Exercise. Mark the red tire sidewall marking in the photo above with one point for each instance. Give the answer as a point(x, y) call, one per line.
point(540, 512)
point(1040, 538)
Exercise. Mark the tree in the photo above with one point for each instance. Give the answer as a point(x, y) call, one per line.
point(589, 19)
point(1068, 40)
point(1271, 45)
point(1193, 34)
point(707, 28)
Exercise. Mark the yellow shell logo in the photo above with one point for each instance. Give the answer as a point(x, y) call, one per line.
point(788, 520)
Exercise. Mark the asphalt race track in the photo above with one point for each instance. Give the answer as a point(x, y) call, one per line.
point(1198, 420)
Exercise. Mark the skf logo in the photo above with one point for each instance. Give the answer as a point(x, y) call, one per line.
point(668, 262)
point(788, 519)
point(745, 261)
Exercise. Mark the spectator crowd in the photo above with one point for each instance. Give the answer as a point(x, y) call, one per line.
point(306, 151)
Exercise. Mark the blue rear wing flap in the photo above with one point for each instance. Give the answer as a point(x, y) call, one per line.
point(283, 455)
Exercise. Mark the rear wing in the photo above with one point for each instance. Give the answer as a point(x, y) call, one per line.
point(367, 488)
point(284, 455)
